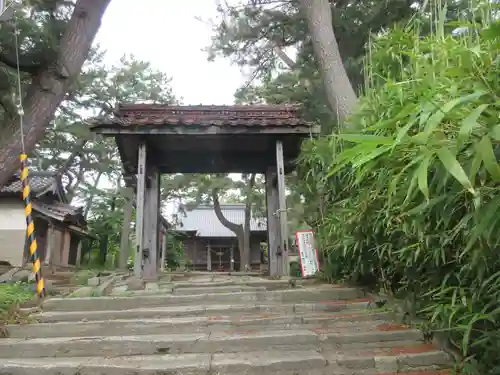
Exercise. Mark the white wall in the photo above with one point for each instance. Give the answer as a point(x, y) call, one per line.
point(12, 231)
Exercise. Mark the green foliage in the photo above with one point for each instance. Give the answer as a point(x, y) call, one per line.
point(409, 203)
point(295, 269)
point(105, 223)
point(175, 250)
point(11, 297)
point(41, 24)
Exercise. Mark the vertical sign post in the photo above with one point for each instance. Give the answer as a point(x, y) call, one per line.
point(308, 254)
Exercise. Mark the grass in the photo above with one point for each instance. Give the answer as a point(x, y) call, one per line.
point(12, 296)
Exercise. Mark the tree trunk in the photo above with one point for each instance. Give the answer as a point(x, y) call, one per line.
point(237, 229)
point(339, 91)
point(50, 85)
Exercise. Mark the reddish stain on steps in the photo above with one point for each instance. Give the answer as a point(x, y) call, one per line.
point(411, 349)
point(216, 318)
point(268, 315)
point(388, 327)
point(442, 372)
point(345, 301)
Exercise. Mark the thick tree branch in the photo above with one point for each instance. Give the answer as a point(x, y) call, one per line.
point(284, 57)
point(77, 151)
point(236, 228)
point(50, 85)
point(26, 64)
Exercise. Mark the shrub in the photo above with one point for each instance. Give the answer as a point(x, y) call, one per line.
point(408, 201)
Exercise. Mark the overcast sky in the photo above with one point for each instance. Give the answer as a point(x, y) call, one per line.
point(167, 34)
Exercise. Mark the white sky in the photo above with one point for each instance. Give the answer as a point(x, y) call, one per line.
point(167, 34)
point(170, 35)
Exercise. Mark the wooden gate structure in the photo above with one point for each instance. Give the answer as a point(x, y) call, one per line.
point(154, 139)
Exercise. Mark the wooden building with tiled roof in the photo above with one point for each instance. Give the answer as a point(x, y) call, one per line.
point(59, 226)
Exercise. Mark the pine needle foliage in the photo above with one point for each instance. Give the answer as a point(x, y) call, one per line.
point(409, 197)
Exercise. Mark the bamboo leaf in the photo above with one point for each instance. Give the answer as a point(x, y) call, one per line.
point(470, 122)
point(372, 155)
point(441, 113)
point(422, 172)
point(485, 149)
point(362, 138)
point(454, 168)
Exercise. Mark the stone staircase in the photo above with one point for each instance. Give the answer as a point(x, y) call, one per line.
point(223, 325)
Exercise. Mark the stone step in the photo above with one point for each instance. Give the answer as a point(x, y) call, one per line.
point(228, 341)
point(191, 324)
point(217, 290)
point(120, 303)
point(253, 282)
point(213, 311)
point(304, 362)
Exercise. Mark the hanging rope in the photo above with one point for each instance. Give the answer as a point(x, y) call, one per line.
point(28, 208)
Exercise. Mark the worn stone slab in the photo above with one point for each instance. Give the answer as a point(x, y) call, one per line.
point(118, 290)
point(251, 363)
point(94, 281)
point(217, 324)
point(152, 287)
point(119, 303)
point(106, 285)
point(101, 346)
point(436, 358)
point(158, 312)
point(84, 291)
point(187, 364)
point(219, 289)
point(189, 324)
point(364, 335)
point(7, 276)
point(248, 282)
point(106, 327)
point(134, 283)
point(224, 341)
point(21, 275)
point(107, 346)
point(197, 310)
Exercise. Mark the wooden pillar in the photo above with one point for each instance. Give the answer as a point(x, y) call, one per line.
point(50, 244)
point(273, 226)
point(209, 258)
point(151, 225)
point(79, 253)
point(283, 217)
point(125, 233)
point(231, 258)
point(140, 209)
point(163, 250)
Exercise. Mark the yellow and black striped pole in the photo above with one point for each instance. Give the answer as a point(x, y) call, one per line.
point(30, 232)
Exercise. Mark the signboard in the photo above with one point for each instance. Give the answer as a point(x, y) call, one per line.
point(308, 255)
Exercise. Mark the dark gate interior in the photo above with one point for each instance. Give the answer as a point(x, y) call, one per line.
point(73, 250)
